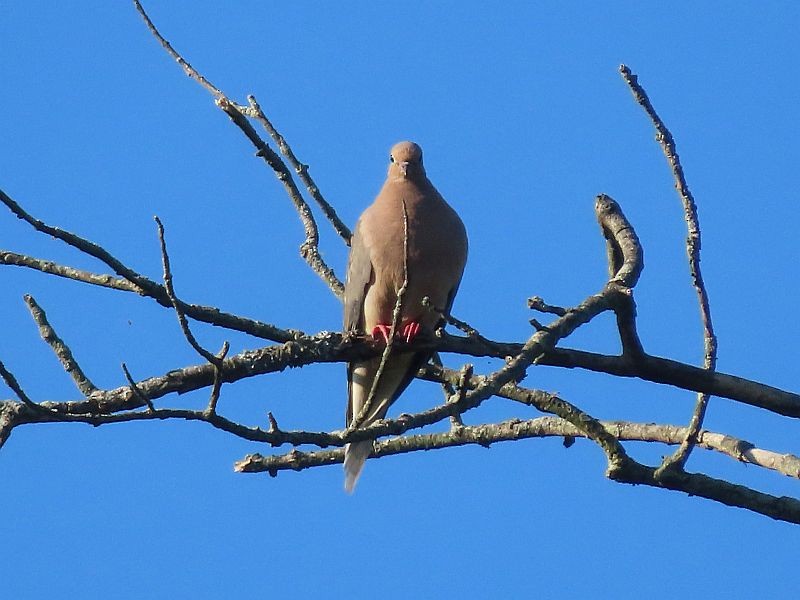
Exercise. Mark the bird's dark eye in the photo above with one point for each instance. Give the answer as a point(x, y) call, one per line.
point(391, 158)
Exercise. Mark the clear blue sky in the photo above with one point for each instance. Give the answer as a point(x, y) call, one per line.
point(523, 118)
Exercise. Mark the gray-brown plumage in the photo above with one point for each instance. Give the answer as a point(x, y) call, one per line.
point(437, 252)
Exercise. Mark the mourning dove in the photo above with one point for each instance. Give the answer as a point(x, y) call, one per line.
point(436, 253)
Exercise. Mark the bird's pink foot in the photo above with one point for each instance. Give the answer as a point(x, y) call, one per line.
point(381, 332)
point(410, 330)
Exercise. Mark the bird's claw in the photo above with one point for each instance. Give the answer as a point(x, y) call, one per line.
point(408, 331)
point(381, 332)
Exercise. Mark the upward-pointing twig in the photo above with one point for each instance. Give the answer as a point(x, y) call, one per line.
point(398, 308)
point(665, 139)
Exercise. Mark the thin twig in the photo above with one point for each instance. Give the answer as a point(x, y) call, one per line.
point(536, 303)
point(396, 313)
point(693, 244)
point(168, 285)
point(300, 168)
point(136, 391)
point(60, 348)
point(457, 323)
point(12, 383)
point(215, 359)
point(187, 68)
point(206, 314)
point(309, 249)
point(447, 388)
point(216, 387)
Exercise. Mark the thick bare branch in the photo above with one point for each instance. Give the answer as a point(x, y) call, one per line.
point(625, 265)
point(784, 508)
point(781, 508)
point(7, 412)
point(514, 429)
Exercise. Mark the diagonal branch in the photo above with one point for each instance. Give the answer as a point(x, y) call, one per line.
point(11, 381)
point(781, 508)
point(144, 284)
point(60, 348)
point(309, 249)
point(130, 281)
point(302, 170)
point(168, 285)
point(187, 68)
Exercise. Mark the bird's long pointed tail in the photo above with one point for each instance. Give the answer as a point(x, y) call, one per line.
point(355, 455)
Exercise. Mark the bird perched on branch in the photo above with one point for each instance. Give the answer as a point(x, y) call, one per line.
point(408, 243)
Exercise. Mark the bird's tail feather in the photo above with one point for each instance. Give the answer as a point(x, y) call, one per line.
point(355, 455)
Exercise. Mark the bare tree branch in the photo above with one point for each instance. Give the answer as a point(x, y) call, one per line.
point(135, 389)
point(151, 289)
point(302, 170)
point(693, 244)
point(514, 429)
point(464, 390)
point(783, 508)
point(309, 249)
point(13, 384)
point(60, 348)
point(187, 68)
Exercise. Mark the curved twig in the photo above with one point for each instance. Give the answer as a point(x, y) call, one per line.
point(693, 244)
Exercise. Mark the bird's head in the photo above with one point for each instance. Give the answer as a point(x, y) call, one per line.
point(405, 161)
